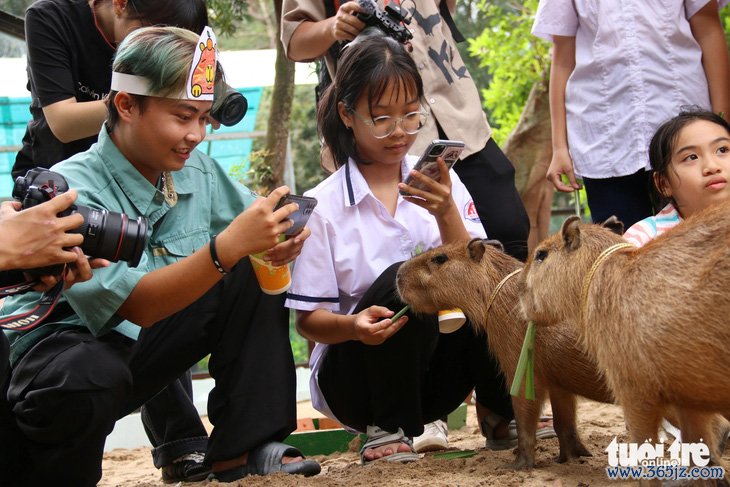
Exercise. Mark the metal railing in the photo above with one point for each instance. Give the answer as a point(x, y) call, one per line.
point(208, 138)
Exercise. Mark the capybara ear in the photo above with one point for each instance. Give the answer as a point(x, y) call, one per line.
point(476, 247)
point(571, 232)
point(614, 224)
point(494, 243)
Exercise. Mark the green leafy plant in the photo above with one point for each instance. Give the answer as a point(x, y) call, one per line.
point(252, 172)
point(514, 58)
point(299, 345)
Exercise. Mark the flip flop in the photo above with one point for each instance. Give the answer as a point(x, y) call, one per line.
point(543, 432)
point(378, 437)
point(266, 459)
point(489, 423)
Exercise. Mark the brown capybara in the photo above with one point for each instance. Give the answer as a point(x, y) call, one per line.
point(656, 319)
point(465, 275)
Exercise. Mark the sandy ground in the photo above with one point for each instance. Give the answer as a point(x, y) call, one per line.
point(598, 424)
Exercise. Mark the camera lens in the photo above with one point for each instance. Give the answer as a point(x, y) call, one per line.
point(231, 108)
point(437, 150)
point(112, 236)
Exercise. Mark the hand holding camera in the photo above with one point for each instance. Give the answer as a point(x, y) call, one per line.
point(390, 21)
point(355, 16)
point(103, 234)
point(74, 272)
point(37, 236)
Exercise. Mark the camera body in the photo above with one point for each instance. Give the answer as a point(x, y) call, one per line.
point(107, 235)
point(390, 20)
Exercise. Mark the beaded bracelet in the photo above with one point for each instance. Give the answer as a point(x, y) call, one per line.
point(214, 256)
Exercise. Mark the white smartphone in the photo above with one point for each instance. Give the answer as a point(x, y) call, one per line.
point(448, 150)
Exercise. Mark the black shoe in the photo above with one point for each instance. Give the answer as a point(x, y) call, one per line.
point(187, 468)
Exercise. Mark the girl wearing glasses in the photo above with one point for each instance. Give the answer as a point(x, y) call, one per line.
point(374, 374)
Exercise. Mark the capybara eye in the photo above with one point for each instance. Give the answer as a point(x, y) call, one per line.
point(439, 259)
point(541, 255)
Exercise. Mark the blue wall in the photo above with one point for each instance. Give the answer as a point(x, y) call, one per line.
point(14, 115)
point(229, 153)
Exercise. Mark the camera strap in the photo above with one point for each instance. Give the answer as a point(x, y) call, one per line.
point(17, 288)
point(31, 319)
point(446, 15)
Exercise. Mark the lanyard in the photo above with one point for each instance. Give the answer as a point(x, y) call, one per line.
point(31, 319)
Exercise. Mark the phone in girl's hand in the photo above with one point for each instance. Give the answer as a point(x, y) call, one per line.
point(300, 217)
point(448, 150)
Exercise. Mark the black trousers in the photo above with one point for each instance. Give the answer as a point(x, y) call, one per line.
point(172, 422)
point(490, 178)
point(626, 197)
point(415, 377)
point(68, 390)
point(4, 357)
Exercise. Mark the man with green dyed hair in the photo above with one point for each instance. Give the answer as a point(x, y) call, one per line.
point(135, 330)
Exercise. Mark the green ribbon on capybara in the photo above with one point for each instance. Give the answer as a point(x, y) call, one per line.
point(526, 365)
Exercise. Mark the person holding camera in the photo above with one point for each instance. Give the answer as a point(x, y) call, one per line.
point(29, 239)
point(36, 236)
point(71, 45)
point(133, 330)
point(312, 29)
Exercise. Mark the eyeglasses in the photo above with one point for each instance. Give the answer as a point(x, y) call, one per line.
point(381, 127)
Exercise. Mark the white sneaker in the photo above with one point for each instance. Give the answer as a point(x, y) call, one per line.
point(435, 437)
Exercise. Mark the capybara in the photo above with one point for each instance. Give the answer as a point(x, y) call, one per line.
point(656, 319)
point(464, 275)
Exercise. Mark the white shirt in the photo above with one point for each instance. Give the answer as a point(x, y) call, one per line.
point(637, 64)
point(354, 239)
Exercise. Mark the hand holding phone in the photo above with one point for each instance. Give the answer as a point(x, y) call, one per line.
point(448, 150)
point(299, 217)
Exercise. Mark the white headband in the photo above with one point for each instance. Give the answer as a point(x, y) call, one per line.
point(201, 77)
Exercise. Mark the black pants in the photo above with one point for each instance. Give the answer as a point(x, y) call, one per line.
point(415, 377)
point(172, 422)
point(14, 460)
point(4, 357)
point(68, 390)
point(490, 178)
point(626, 197)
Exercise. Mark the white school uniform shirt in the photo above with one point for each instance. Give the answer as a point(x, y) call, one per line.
point(354, 239)
point(637, 64)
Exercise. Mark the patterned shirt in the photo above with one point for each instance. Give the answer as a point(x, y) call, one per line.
point(640, 233)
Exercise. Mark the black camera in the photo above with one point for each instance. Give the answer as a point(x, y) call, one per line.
point(230, 106)
point(107, 235)
point(390, 20)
